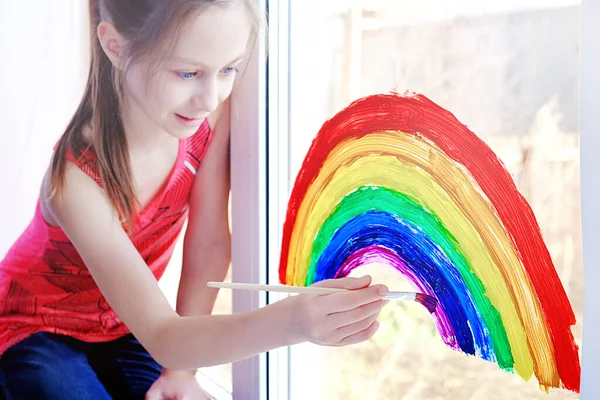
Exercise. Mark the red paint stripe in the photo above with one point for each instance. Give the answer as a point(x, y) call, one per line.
point(420, 116)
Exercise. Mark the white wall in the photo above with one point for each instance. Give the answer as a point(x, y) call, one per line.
point(42, 69)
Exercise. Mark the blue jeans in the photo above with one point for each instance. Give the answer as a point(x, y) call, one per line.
point(46, 366)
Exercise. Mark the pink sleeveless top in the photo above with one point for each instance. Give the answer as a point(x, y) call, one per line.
point(44, 284)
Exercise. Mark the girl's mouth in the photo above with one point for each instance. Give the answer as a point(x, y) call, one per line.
point(191, 122)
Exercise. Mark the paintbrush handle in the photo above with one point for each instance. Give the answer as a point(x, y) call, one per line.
point(301, 289)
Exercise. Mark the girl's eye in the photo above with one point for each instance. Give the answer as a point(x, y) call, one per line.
point(229, 70)
point(187, 75)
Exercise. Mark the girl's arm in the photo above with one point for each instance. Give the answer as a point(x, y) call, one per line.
point(177, 342)
point(84, 213)
point(207, 241)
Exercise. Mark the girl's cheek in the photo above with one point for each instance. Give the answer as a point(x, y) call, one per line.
point(176, 96)
point(225, 90)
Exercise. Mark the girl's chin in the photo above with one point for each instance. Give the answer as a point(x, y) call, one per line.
point(182, 133)
point(183, 129)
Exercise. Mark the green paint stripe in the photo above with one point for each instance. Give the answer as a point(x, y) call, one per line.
point(371, 198)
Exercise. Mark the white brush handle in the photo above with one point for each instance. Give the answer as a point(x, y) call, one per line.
point(410, 296)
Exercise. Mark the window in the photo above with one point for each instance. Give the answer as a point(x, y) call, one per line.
point(510, 71)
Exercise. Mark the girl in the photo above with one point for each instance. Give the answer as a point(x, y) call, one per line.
point(81, 314)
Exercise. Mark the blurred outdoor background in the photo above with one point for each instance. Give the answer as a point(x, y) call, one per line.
point(506, 69)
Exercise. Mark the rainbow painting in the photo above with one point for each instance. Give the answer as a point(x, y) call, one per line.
point(396, 179)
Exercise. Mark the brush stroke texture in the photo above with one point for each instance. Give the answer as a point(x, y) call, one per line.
point(427, 175)
point(387, 200)
point(457, 171)
point(374, 254)
point(424, 258)
point(329, 190)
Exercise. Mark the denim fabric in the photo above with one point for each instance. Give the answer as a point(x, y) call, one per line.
point(46, 366)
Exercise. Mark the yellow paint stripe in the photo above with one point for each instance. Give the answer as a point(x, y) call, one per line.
point(445, 187)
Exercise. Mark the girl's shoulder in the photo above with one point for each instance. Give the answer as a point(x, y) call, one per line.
point(80, 165)
point(77, 176)
point(82, 155)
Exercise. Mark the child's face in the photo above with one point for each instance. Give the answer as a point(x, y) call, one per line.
point(199, 76)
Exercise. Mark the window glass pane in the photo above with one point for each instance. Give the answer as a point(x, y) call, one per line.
point(506, 69)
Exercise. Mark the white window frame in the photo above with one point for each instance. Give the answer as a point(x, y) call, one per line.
point(249, 207)
point(278, 155)
point(259, 182)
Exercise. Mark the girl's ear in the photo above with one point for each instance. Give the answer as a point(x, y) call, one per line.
point(112, 43)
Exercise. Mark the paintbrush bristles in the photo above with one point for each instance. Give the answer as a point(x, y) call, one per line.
point(429, 302)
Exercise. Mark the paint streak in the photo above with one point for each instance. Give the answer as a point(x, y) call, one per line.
point(417, 185)
point(367, 199)
point(375, 254)
point(515, 267)
point(425, 260)
point(429, 176)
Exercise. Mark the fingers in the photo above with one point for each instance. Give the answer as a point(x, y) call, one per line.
point(349, 283)
point(357, 327)
point(346, 317)
point(361, 336)
point(358, 314)
point(340, 302)
point(358, 324)
point(360, 293)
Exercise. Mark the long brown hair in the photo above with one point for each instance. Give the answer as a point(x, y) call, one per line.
point(150, 28)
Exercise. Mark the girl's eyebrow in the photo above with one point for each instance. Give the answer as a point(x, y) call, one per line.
point(198, 63)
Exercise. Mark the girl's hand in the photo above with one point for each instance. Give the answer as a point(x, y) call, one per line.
point(338, 319)
point(177, 385)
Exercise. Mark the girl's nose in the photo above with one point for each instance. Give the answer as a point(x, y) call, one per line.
point(206, 97)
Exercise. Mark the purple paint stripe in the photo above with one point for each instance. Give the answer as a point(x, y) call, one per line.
point(381, 255)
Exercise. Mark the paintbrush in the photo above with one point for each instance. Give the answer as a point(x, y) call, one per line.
point(429, 302)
